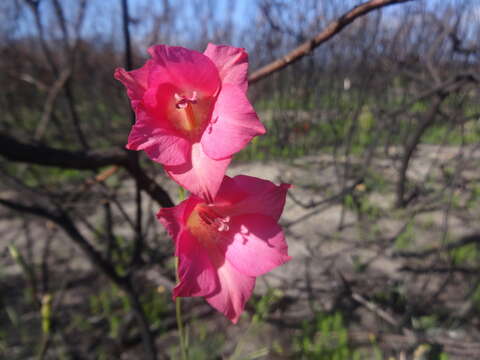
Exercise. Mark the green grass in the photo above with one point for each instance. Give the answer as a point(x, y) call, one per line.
point(406, 238)
point(111, 304)
point(465, 255)
point(291, 138)
point(326, 338)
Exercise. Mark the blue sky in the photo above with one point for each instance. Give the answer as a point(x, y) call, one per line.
point(108, 20)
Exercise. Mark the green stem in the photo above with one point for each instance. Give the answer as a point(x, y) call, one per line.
point(178, 304)
point(178, 312)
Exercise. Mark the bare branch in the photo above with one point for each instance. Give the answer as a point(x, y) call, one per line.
point(308, 46)
point(66, 223)
point(50, 102)
point(15, 150)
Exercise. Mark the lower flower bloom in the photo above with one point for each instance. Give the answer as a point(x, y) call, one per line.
point(222, 246)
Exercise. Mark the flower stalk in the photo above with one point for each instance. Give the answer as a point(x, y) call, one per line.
point(178, 300)
point(178, 314)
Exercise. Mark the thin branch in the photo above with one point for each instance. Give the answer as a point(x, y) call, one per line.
point(308, 46)
point(144, 326)
point(148, 185)
point(49, 103)
point(33, 4)
point(133, 155)
point(439, 270)
point(65, 222)
point(333, 198)
point(125, 283)
point(470, 239)
point(15, 150)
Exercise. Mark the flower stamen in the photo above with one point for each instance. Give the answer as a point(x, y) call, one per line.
point(211, 218)
point(185, 103)
point(207, 225)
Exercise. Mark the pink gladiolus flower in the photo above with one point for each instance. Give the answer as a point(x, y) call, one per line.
point(224, 245)
point(192, 112)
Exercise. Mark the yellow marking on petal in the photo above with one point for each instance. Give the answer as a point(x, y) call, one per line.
point(206, 225)
point(197, 226)
point(189, 116)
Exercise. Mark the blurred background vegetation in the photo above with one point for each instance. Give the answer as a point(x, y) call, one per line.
point(378, 129)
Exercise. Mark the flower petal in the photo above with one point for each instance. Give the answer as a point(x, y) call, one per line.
point(258, 244)
point(234, 290)
point(136, 81)
point(161, 145)
point(234, 123)
point(174, 218)
point(195, 270)
point(189, 70)
point(232, 64)
point(259, 196)
point(229, 194)
point(201, 176)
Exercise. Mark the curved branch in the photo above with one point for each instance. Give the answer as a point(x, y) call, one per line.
point(308, 46)
point(66, 223)
point(148, 185)
point(124, 282)
point(15, 150)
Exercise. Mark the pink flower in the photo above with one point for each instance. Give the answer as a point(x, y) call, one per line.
point(192, 112)
point(224, 245)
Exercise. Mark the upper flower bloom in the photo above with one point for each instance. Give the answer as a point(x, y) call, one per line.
point(223, 245)
point(192, 112)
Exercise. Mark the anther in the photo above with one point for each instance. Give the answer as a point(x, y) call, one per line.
point(183, 101)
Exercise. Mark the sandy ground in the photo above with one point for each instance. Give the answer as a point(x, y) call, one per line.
point(365, 250)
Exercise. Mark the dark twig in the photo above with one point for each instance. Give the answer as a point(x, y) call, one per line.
point(63, 220)
point(147, 336)
point(471, 239)
point(15, 150)
point(312, 204)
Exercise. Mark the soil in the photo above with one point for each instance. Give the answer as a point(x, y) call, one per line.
point(385, 268)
